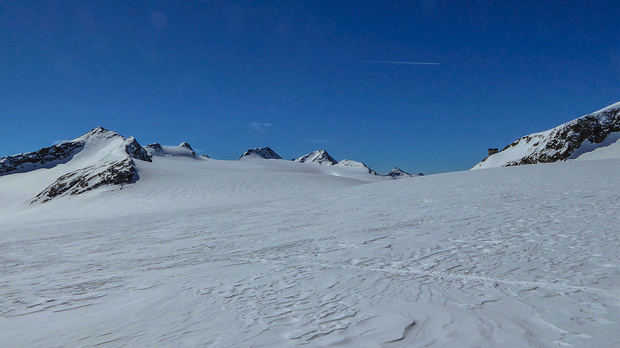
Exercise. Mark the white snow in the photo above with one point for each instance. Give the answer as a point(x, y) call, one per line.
point(278, 253)
point(609, 148)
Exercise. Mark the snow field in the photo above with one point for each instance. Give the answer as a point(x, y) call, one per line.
point(268, 253)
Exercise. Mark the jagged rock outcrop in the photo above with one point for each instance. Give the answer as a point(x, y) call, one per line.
point(320, 157)
point(356, 164)
point(135, 150)
point(559, 143)
point(154, 149)
point(263, 152)
point(47, 157)
point(88, 178)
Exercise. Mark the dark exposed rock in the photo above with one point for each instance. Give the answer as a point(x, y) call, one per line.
point(154, 149)
point(85, 179)
point(47, 157)
point(135, 150)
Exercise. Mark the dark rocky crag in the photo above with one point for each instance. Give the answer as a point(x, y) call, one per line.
point(47, 157)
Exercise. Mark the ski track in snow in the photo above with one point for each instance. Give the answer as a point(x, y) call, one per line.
point(522, 256)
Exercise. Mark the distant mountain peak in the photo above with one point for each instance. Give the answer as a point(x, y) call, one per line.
point(98, 133)
point(321, 157)
point(399, 173)
point(186, 145)
point(262, 152)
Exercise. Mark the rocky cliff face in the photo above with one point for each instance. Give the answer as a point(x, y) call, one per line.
point(559, 143)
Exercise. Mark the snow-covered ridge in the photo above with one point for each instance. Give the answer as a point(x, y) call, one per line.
point(356, 164)
point(567, 141)
point(321, 157)
point(262, 152)
point(183, 150)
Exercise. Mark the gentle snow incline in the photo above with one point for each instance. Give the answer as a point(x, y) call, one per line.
point(521, 256)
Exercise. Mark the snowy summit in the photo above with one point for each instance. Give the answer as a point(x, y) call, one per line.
point(320, 157)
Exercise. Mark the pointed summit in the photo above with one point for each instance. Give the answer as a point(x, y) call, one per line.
point(186, 145)
point(98, 133)
point(263, 152)
point(321, 157)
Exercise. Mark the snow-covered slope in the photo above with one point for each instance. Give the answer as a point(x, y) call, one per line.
point(263, 152)
point(320, 157)
point(356, 164)
point(568, 141)
point(274, 253)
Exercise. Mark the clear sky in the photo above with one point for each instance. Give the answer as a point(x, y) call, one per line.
point(300, 76)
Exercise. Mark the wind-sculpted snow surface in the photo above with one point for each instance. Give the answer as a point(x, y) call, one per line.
point(508, 257)
point(566, 141)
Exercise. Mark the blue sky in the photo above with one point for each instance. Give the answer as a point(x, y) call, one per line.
point(305, 75)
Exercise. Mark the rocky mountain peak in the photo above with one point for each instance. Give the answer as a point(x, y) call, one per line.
point(186, 145)
point(321, 157)
point(561, 143)
point(399, 173)
point(262, 152)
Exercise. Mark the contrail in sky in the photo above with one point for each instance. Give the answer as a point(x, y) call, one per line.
point(392, 62)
